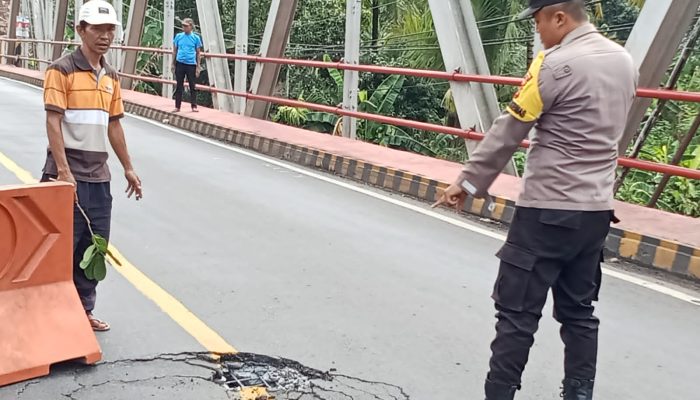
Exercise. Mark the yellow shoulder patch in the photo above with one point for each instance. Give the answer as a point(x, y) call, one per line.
point(527, 103)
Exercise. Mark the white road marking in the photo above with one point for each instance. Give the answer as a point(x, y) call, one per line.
point(624, 276)
point(627, 277)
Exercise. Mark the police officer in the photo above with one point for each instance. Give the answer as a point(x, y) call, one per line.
point(576, 96)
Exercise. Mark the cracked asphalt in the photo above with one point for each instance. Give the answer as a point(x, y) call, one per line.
point(160, 377)
point(395, 303)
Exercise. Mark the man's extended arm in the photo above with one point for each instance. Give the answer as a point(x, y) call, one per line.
point(58, 149)
point(115, 133)
point(199, 58)
point(118, 142)
point(174, 57)
point(501, 141)
point(493, 153)
point(55, 104)
point(533, 99)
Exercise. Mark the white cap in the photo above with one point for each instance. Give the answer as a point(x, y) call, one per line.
point(98, 12)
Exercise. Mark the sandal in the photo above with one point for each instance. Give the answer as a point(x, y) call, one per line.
point(194, 109)
point(96, 324)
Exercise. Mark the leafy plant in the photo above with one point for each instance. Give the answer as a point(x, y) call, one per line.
point(694, 160)
point(337, 78)
point(382, 102)
point(293, 116)
point(321, 121)
point(414, 35)
point(93, 263)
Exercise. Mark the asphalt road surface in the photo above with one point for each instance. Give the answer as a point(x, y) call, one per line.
point(280, 263)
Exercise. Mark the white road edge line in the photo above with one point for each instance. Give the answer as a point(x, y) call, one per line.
point(635, 280)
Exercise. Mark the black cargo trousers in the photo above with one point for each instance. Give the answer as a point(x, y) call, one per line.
point(556, 249)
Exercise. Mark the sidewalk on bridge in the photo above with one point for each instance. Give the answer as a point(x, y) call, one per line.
point(646, 236)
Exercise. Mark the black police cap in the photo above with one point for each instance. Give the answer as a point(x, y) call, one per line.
point(537, 5)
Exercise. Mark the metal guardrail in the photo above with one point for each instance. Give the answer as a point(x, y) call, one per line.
point(419, 73)
point(454, 76)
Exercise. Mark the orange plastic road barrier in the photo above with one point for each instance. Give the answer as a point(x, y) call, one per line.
point(41, 319)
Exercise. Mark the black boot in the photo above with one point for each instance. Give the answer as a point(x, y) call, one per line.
point(499, 391)
point(575, 389)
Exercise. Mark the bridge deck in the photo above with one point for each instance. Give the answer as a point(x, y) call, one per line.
point(284, 260)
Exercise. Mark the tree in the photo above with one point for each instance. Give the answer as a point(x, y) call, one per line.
point(376, 13)
point(616, 18)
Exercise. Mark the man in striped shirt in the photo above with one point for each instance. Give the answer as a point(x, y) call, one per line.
point(83, 106)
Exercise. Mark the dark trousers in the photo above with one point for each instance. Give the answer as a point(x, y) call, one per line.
point(182, 70)
point(96, 201)
point(556, 249)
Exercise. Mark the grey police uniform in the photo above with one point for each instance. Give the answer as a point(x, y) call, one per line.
point(576, 96)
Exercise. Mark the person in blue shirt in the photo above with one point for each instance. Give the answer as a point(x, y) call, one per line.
point(187, 52)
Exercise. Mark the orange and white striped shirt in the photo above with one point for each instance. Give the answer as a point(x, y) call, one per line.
point(89, 100)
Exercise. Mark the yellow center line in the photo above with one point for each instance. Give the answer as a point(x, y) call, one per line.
point(23, 175)
point(171, 306)
point(208, 338)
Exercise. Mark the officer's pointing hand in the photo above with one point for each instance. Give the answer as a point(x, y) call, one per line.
point(453, 196)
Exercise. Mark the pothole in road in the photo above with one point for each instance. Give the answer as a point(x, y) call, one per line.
point(259, 377)
point(274, 374)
